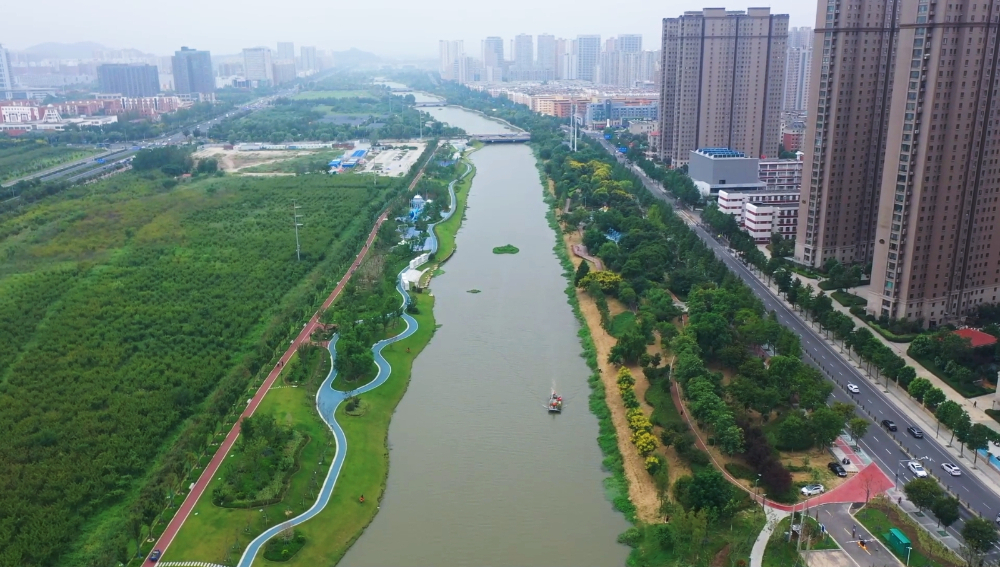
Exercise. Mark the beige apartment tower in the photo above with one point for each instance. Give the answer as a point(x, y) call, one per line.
point(844, 143)
point(937, 221)
point(722, 77)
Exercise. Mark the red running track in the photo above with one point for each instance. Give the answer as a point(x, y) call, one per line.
point(220, 455)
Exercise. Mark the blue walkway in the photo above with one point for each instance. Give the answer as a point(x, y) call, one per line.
point(327, 400)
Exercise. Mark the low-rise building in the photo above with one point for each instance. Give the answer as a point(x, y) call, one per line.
point(762, 213)
point(722, 169)
point(781, 174)
point(641, 127)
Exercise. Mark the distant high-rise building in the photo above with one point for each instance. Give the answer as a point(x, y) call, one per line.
point(588, 52)
point(722, 82)
point(6, 76)
point(286, 51)
point(546, 62)
point(257, 65)
point(452, 60)
point(493, 52)
point(193, 71)
point(130, 80)
point(284, 71)
point(629, 43)
point(797, 69)
point(308, 57)
point(564, 51)
point(524, 51)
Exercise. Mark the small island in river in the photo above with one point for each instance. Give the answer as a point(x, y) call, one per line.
point(506, 249)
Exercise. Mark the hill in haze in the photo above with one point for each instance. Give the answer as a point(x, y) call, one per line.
point(55, 50)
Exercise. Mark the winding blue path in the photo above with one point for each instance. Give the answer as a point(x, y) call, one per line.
point(327, 399)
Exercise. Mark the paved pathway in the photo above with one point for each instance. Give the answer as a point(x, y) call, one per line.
point(581, 251)
point(773, 518)
point(164, 541)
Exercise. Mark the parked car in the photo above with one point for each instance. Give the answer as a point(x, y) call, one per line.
point(837, 469)
point(888, 425)
point(813, 489)
point(853, 388)
point(155, 555)
point(916, 433)
point(951, 469)
point(917, 469)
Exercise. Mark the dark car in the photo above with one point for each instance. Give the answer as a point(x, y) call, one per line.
point(888, 425)
point(155, 555)
point(915, 432)
point(837, 469)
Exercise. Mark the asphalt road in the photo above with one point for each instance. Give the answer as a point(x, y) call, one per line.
point(880, 444)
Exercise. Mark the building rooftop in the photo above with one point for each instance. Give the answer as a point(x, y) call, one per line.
point(720, 153)
point(978, 338)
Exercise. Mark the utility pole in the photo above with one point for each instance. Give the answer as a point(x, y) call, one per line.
point(296, 224)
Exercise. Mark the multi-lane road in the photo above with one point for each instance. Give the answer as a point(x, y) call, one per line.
point(883, 446)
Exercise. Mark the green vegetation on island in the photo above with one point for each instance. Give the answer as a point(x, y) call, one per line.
point(506, 249)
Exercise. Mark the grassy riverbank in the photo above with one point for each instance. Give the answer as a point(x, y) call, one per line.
point(447, 230)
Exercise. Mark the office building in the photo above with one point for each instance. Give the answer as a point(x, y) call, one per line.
point(614, 112)
point(286, 51)
point(493, 52)
point(6, 75)
point(129, 80)
point(797, 69)
point(307, 55)
point(936, 225)
point(452, 60)
point(284, 72)
point(722, 76)
point(257, 66)
point(193, 71)
point(524, 51)
point(588, 53)
point(547, 58)
point(629, 43)
point(723, 169)
point(844, 143)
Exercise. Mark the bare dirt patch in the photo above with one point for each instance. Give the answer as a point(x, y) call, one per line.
point(233, 160)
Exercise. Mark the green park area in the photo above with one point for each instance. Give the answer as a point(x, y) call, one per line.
point(880, 516)
point(783, 548)
point(24, 157)
point(145, 304)
point(313, 95)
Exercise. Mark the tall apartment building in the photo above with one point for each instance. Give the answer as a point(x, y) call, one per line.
point(564, 53)
point(797, 69)
point(128, 80)
point(6, 77)
point(844, 142)
point(286, 51)
point(722, 76)
point(193, 71)
point(257, 65)
point(588, 53)
point(937, 221)
point(629, 43)
point(493, 52)
point(546, 60)
point(452, 60)
point(307, 55)
point(524, 51)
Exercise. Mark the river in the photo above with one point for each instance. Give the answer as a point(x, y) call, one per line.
point(480, 473)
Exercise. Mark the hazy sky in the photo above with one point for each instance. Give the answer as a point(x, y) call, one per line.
point(393, 28)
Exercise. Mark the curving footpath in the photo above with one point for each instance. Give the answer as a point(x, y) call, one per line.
point(328, 399)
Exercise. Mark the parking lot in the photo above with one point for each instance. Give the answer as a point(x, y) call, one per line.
point(395, 161)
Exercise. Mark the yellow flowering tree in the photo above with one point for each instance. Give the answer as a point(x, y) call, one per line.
point(644, 442)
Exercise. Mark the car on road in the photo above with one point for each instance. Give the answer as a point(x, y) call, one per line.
point(916, 433)
point(852, 388)
point(813, 489)
point(888, 425)
point(951, 469)
point(837, 469)
point(155, 555)
point(917, 469)
point(998, 518)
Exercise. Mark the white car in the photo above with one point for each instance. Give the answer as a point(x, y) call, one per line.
point(853, 388)
point(813, 489)
point(917, 469)
point(951, 469)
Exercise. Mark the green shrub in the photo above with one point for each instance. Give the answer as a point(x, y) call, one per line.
point(630, 537)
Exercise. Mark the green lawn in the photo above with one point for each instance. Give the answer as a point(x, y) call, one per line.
point(313, 95)
point(622, 323)
point(447, 230)
point(332, 532)
point(849, 299)
point(878, 523)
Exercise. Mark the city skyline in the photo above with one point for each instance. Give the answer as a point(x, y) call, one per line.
point(404, 31)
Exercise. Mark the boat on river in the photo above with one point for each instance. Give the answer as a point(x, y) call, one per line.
point(555, 403)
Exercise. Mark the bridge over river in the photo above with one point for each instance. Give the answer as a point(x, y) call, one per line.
point(502, 138)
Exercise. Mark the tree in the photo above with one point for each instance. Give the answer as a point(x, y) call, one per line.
point(581, 272)
point(793, 434)
point(825, 425)
point(980, 537)
point(708, 490)
point(905, 376)
point(844, 409)
point(857, 427)
point(918, 388)
point(948, 413)
point(933, 397)
point(978, 439)
point(923, 492)
point(961, 429)
point(946, 510)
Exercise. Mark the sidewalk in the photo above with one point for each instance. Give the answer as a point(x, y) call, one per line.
point(757, 553)
point(926, 521)
point(920, 416)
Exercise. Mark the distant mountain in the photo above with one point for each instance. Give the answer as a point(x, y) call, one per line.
point(54, 50)
point(354, 57)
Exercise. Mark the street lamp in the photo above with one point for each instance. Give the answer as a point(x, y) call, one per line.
point(756, 480)
point(908, 550)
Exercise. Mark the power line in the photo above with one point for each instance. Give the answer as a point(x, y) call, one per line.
point(296, 224)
